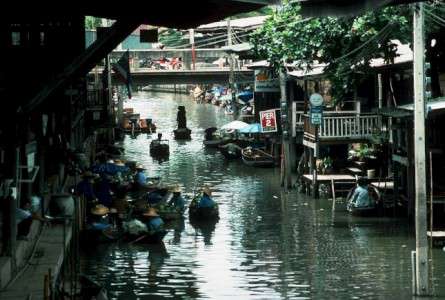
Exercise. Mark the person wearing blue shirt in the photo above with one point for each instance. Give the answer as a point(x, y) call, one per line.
point(103, 191)
point(206, 201)
point(154, 222)
point(360, 197)
point(177, 201)
point(98, 219)
point(140, 178)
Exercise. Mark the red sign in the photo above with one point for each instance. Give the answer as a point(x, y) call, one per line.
point(268, 120)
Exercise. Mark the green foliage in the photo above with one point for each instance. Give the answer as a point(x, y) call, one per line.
point(346, 44)
point(171, 38)
point(92, 23)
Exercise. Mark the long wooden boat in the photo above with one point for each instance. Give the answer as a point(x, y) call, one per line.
point(257, 158)
point(182, 134)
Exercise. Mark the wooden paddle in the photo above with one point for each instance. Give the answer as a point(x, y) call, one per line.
point(138, 239)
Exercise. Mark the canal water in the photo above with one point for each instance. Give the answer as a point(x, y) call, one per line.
point(267, 244)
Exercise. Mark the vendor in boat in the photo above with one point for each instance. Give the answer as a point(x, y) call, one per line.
point(98, 219)
point(232, 148)
point(120, 204)
point(85, 187)
point(153, 221)
point(206, 201)
point(103, 191)
point(157, 196)
point(177, 200)
point(140, 179)
point(360, 198)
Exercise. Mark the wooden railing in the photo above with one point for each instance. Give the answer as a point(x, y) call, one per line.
point(360, 126)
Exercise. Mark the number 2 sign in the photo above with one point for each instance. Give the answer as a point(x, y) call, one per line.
point(268, 120)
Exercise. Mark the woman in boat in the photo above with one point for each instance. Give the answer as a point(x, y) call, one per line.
point(103, 190)
point(120, 204)
point(360, 198)
point(206, 201)
point(177, 200)
point(153, 221)
point(98, 223)
point(140, 179)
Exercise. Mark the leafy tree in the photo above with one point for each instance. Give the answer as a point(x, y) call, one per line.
point(92, 23)
point(346, 44)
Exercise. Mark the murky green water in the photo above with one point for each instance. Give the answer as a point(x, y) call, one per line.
point(267, 244)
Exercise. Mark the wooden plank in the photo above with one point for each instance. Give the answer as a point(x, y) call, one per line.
point(434, 234)
point(308, 144)
point(329, 177)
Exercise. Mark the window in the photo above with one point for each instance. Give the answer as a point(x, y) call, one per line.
point(42, 38)
point(15, 38)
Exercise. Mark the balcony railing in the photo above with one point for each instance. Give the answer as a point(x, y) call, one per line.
point(360, 126)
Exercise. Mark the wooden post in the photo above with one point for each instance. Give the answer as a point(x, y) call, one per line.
point(315, 193)
point(231, 74)
point(286, 136)
point(431, 199)
point(379, 79)
point(422, 274)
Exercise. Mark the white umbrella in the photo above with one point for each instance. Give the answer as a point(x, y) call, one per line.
point(236, 125)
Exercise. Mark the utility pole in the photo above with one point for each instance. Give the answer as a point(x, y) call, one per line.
point(421, 261)
point(231, 63)
point(286, 133)
point(192, 42)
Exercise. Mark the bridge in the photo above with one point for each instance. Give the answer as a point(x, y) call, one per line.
point(201, 55)
point(142, 77)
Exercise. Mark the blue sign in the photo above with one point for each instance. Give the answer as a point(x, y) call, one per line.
point(316, 115)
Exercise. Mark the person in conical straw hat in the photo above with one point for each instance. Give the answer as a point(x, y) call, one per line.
point(98, 219)
point(206, 201)
point(100, 210)
point(177, 200)
point(140, 178)
point(206, 190)
point(151, 212)
point(154, 223)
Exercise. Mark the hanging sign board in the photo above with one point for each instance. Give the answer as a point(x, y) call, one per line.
point(316, 115)
point(268, 120)
point(265, 81)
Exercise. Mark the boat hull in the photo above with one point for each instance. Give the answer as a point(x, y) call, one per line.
point(182, 134)
point(260, 161)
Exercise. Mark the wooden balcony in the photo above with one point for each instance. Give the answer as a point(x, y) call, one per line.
point(340, 127)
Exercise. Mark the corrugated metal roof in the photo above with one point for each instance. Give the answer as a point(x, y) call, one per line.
point(242, 23)
point(404, 55)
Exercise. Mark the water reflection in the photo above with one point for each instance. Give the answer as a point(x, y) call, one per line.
point(267, 244)
point(205, 228)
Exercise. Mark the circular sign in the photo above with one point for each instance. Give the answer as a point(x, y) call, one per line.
point(316, 99)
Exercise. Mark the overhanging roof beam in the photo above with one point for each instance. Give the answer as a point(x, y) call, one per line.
point(86, 61)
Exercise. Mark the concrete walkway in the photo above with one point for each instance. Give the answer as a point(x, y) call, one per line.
point(47, 255)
